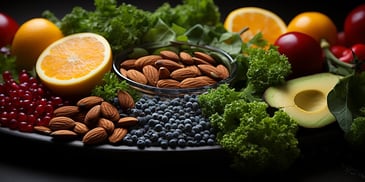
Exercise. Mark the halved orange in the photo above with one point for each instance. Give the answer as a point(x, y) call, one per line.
point(256, 20)
point(74, 64)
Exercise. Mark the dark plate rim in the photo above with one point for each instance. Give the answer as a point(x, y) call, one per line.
point(33, 136)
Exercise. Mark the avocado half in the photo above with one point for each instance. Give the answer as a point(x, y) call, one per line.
point(305, 99)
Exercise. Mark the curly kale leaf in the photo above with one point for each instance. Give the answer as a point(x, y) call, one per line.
point(257, 142)
point(122, 25)
point(110, 86)
point(189, 13)
point(265, 68)
point(215, 99)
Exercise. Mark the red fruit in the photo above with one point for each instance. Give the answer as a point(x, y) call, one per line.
point(303, 51)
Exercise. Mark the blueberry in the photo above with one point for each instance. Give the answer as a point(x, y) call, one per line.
point(164, 143)
point(167, 126)
point(190, 143)
point(169, 135)
point(148, 142)
point(181, 126)
point(158, 127)
point(201, 142)
point(154, 136)
point(197, 136)
point(187, 127)
point(164, 118)
point(210, 141)
point(141, 144)
point(173, 125)
point(139, 132)
point(173, 142)
point(181, 142)
point(189, 104)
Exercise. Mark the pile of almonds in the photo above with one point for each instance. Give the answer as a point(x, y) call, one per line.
point(92, 119)
point(169, 69)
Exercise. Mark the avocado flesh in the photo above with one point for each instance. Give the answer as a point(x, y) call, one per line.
point(305, 99)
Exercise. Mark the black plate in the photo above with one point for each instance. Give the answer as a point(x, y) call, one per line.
point(109, 147)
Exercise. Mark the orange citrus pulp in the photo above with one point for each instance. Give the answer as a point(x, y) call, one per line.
point(75, 64)
point(256, 20)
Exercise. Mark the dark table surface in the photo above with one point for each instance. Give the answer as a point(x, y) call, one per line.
point(25, 159)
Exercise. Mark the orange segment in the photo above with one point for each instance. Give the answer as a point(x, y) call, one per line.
point(74, 64)
point(257, 20)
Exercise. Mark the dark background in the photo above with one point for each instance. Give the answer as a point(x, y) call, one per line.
point(22, 10)
point(22, 159)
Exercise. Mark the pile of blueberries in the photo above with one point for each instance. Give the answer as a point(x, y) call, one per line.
point(169, 122)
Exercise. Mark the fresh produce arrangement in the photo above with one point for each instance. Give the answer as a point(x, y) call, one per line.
point(61, 78)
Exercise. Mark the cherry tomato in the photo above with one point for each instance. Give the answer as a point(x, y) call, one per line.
point(354, 26)
point(315, 24)
point(359, 51)
point(8, 28)
point(342, 53)
point(341, 39)
point(303, 51)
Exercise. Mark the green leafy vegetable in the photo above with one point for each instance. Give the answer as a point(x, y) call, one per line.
point(258, 142)
point(189, 13)
point(346, 100)
point(110, 85)
point(356, 133)
point(216, 99)
point(7, 63)
point(265, 68)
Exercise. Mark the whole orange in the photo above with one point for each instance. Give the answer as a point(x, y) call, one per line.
point(32, 37)
point(316, 24)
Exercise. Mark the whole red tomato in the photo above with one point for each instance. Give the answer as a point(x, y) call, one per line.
point(359, 51)
point(343, 53)
point(8, 27)
point(354, 26)
point(303, 51)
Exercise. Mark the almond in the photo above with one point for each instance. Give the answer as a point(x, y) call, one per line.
point(146, 60)
point(80, 128)
point(182, 73)
point(167, 54)
point(186, 58)
point(136, 76)
point(206, 57)
point(106, 124)
point(64, 134)
point(206, 79)
point(126, 122)
point(42, 130)
point(224, 73)
point(79, 117)
point(163, 73)
point(61, 123)
point(95, 136)
point(117, 135)
point(195, 69)
point(123, 72)
point(210, 71)
point(67, 111)
point(89, 102)
point(128, 64)
point(169, 64)
point(125, 100)
point(193, 83)
point(92, 115)
point(198, 61)
point(151, 74)
point(109, 111)
point(168, 83)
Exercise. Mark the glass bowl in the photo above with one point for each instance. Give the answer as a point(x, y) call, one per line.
point(220, 56)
